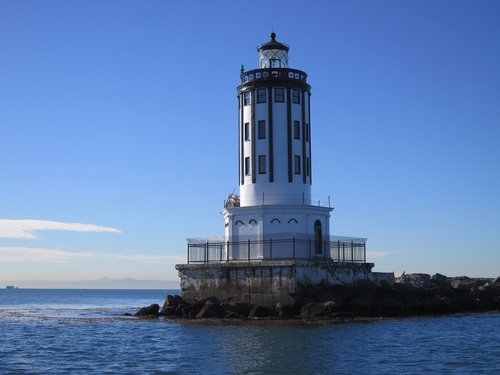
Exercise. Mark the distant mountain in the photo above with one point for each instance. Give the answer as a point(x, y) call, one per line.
point(104, 283)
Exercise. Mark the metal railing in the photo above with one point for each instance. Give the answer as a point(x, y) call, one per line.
point(273, 199)
point(276, 249)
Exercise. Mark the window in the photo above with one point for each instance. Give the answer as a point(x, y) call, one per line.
point(308, 166)
point(261, 129)
point(262, 164)
point(307, 132)
point(247, 98)
point(261, 95)
point(275, 63)
point(247, 166)
point(296, 129)
point(295, 96)
point(247, 131)
point(297, 164)
point(279, 95)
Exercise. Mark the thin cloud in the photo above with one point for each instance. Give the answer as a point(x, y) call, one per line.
point(26, 228)
point(31, 254)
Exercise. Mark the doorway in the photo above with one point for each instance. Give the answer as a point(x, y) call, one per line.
point(318, 237)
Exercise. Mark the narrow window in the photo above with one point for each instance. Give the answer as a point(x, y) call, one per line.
point(261, 95)
point(262, 129)
point(297, 164)
point(279, 94)
point(296, 129)
point(247, 131)
point(307, 132)
point(262, 164)
point(247, 166)
point(246, 98)
point(308, 166)
point(295, 96)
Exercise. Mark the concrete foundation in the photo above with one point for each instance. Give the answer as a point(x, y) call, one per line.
point(267, 282)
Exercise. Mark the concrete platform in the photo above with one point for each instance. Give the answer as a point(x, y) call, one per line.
point(266, 282)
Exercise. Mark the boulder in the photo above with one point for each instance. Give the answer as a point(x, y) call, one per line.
point(317, 310)
point(211, 310)
point(173, 306)
point(259, 311)
point(415, 279)
point(241, 309)
point(192, 310)
point(283, 311)
point(149, 311)
point(233, 315)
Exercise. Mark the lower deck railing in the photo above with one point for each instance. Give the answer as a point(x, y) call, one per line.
point(279, 249)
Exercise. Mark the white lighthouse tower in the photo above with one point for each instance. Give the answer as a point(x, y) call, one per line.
point(277, 239)
point(275, 164)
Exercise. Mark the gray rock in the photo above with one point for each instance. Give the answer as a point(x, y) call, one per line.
point(258, 311)
point(149, 311)
point(317, 310)
point(211, 310)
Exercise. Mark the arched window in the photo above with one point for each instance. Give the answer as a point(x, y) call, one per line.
point(292, 220)
point(252, 221)
point(275, 220)
point(238, 222)
point(318, 237)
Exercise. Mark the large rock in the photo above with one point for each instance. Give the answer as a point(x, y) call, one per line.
point(259, 311)
point(416, 279)
point(173, 306)
point(317, 310)
point(149, 311)
point(191, 311)
point(211, 310)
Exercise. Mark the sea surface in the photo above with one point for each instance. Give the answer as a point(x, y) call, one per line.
point(56, 331)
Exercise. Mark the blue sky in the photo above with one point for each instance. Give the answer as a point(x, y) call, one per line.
point(121, 115)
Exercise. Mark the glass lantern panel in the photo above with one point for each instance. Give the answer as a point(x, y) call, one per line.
point(273, 58)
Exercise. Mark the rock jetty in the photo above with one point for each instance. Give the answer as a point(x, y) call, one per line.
point(409, 295)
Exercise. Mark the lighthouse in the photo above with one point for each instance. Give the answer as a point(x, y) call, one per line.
point(277, 242)
point(274, 158)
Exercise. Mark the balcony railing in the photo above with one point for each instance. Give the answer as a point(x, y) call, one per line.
point(347, 250)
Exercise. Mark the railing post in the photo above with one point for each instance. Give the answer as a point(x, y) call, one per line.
point(206, 252)
point(249, 251)
point(271, 248)
point(303, 199)
point(329, 202)
point(324, 249)
point(227, 251)
point(220, 257)
point(188, 252)
point(364, 252)
point(352, 252)
point(293, 246)
point(338, 250)
point(343, 251)
point(262, 198)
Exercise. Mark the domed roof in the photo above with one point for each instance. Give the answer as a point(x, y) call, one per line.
point(273, 44)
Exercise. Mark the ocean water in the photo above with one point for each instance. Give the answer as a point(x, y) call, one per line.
point(86, 332)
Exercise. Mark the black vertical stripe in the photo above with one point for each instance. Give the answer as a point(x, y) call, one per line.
point(304, 159)
point(270, 122)
point(289, 134)
point(252, 133)
point(310, 140)
point(240, 143)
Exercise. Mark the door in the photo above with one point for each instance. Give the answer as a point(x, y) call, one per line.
point(318, 237)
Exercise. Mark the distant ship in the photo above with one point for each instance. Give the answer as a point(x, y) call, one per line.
point(11, 287)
